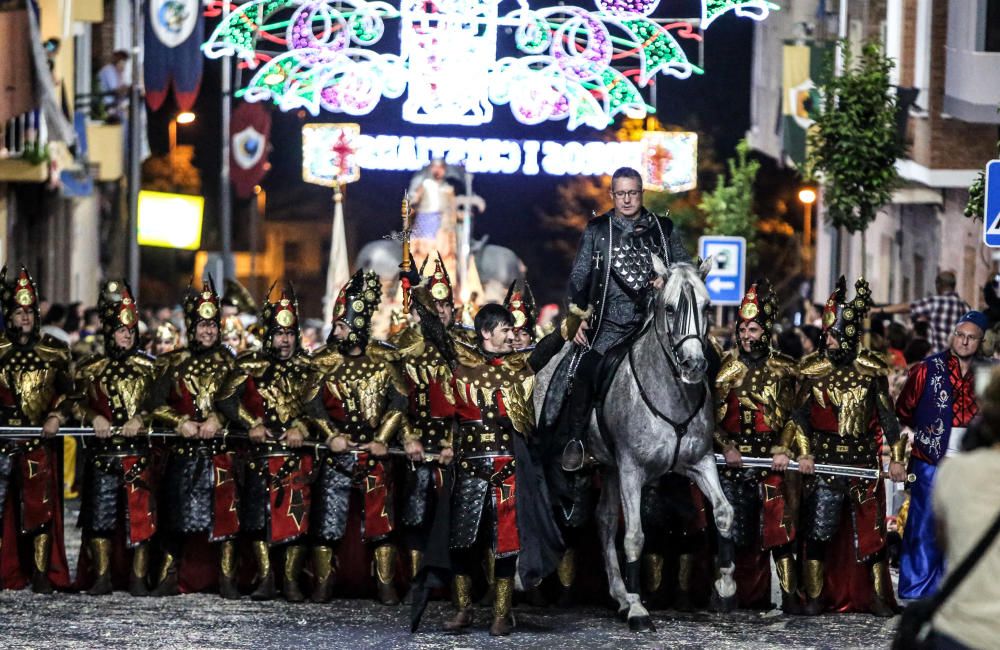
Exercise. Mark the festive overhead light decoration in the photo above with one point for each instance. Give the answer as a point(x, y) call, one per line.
point(572, 64)
point(670, 160)
point(330, 154)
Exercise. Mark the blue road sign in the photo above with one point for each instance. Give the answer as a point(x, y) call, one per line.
point(991, 211)
point(726, 281)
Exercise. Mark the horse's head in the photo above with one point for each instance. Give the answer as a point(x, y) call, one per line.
point(681, 316)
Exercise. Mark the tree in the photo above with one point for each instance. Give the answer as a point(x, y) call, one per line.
point(854, 144)
point(729, 208)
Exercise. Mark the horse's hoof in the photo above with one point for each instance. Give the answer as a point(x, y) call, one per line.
point(623, 614)
point(640, 623)
point(721, 605)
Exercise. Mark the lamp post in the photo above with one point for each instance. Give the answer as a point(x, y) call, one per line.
point(807, 196)
point(185, 117)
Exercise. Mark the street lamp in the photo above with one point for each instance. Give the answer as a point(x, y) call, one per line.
point(807, 196)
point(184, 117)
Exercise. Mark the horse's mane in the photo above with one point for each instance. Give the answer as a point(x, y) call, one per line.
point(681, 273)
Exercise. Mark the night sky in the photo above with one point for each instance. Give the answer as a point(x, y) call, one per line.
point(715, 104)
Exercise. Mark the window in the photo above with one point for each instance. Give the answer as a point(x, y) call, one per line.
point(992, 28)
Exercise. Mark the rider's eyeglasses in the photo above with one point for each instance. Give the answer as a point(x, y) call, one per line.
point(621, 194)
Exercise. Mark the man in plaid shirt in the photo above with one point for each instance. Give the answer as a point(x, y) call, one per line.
point(942, 310)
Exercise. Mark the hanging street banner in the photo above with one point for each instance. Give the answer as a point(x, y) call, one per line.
point(174, 32)
point(803, 69)
point(250, 132)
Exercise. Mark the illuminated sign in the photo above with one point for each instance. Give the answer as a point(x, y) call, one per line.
point(526, 157)
point(576, 65)
point(669, 160)
point(329, 153)
point(170, 220)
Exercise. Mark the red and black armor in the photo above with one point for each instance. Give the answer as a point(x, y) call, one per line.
point(199, 488)
point(281, 394)
point(119, 479)
point(365, 400)
point(34, 383)
point(844, 415)
point(520, 302)
point(755, 393)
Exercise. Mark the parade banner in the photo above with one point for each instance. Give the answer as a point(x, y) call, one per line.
point(174, 32)
point(803, 70)
point(250, 133)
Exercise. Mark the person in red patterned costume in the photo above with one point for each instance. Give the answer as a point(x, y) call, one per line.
point(118, 490)
point(274, 395)
point(34, 384)
point(755, 391)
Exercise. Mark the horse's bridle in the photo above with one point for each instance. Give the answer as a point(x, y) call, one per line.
point(685, 315)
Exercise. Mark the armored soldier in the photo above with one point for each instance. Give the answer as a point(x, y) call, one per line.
point(612, 273)
point(364, 396)
point(118, 486)
point(843, 402)
point(755, 392)
point(34, 383)
point(274, 394)
point(499, 497)
point(199, 486)
point(427, 373)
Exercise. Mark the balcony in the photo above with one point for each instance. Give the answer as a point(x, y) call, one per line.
point(972, 68)
point(24, 156)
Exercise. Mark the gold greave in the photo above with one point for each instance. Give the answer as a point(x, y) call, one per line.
point(685, 570)
point(415, 558)
point(322, 562)
point(491, 561)
point(140, 560)
point(385, 563)
point(463, 591)
point(812, 580)
point(294, 557)
point(567, 568)
point(504, 597)
point(43, 549)
point(227, 559)
point(100, 554)
point(785, 566)
point(262, 552)
point(880, 581)
point(168, 563)
point(652, 572)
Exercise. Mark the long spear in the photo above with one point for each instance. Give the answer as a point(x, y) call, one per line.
point(832, 470)
point(406, 263)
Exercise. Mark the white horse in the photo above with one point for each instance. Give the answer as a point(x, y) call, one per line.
point(657, 417)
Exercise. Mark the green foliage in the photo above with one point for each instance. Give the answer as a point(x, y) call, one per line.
point(35, 152)
point(854, 144)
point(976, 206)
point(729, 208)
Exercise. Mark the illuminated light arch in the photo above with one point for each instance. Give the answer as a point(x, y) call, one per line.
point(316, 55)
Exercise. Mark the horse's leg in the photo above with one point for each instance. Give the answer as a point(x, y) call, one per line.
point(607, 525)
point(630, 479)
point(706, 477)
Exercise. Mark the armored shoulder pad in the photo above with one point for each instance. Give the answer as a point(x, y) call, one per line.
point(143, 360)
point(252, 362)
point(815, 364)
point(92, 365)
point(468, 354)
point(869, 362)
point(781, 362)
point(409, 341)
point(52, 350)
point(382, 351)
point(731, 369)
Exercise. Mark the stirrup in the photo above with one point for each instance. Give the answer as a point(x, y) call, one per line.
point(573, 456)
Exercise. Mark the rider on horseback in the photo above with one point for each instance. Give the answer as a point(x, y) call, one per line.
point(613, 273)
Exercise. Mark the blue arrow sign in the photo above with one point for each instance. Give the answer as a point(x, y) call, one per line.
point(726, 281)
point(991, 211)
